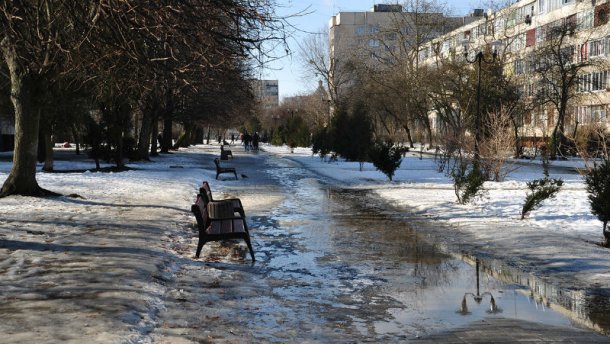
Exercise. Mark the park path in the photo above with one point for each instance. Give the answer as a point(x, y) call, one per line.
point(333, 265)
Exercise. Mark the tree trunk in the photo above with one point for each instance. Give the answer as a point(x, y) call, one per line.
point(429, 131)
point(145, 133)
point(76, 137)
point(48, 148)
point(409, 137)
point(154, 134)
point(166, 145)
point(518, 148)
point(22, 177)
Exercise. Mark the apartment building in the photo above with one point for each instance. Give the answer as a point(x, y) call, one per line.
point(523, 29)
point(378, 37)
point(267, 93)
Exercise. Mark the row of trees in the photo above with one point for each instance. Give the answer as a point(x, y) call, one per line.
point(400, 93)
point(87, 68)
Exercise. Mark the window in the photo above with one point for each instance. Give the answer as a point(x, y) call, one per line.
point(373, 29)
point(583, 53)
point(359, 30)
point(390, 48)
point(519, 67)
point(517, 44)
point(392, 36)
point(597, 47)
point(373, 43)
point(541, 6)
point(593, 82)
point(541, 34)
point(599, 81)
point(584, 19)
point(567, 54)
point(598, 113)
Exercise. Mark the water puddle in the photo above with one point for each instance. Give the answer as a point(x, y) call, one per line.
point(339, 265)
point(434, 291)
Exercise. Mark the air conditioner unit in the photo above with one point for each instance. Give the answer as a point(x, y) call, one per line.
point(528, 19)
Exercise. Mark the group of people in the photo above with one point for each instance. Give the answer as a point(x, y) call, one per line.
point(250, 142)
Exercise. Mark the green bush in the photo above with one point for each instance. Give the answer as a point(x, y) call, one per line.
point(467, 181)
point(597, 183)
point(386, 157)
point(297, 133)
point(322, 142)
point(540, 190)
point(277, 138)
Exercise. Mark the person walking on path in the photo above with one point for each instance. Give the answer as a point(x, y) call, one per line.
point(255, 139)
point(247, 141)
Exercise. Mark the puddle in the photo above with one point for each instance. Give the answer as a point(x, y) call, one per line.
point(333, 265)
point(437, 290)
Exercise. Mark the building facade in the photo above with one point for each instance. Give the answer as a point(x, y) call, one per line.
point(267, 93)
point(525, 30)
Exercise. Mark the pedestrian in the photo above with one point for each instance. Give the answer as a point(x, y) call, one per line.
point(255, 139)
point(232, 138)
point(247, 141)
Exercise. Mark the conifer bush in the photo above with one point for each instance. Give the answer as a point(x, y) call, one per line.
point(386, 157)
point(468, 180)
point(541, 189)
point(597, 182)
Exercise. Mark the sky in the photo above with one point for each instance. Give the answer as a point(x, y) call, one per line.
point(292, 79)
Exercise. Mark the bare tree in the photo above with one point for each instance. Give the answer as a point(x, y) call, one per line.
point(558, 63)
point(314, 53)
point(120, 47)
point(497, 148)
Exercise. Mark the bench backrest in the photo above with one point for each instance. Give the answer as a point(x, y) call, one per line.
point(206, 191)
point(201, 212)
point(220, 210)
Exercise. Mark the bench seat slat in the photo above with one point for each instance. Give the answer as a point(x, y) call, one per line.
point(226, 226)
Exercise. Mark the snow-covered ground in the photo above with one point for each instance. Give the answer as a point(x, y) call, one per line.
point(103, 267)
point(558, 240)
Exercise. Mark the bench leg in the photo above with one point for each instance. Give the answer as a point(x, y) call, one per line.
point(200, 246)
point(247, 239)
point(235, 173)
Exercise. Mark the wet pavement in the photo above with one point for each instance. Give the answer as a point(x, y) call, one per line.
point(337, 265)
point(334, 265)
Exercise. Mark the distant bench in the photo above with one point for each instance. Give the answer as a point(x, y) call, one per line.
point(216, 221)
point(220, 170)
point(225, 153)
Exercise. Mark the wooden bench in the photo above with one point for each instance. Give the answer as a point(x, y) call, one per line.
point(216, 223)
point(206, 192)
point(225, 153)
point(220, 170)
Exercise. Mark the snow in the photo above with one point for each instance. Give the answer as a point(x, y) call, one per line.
point(558, 240)
point(57, 273)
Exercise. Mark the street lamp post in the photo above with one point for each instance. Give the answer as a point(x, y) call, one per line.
point(479, 58)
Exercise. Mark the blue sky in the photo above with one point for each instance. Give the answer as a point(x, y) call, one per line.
point(287, 70)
